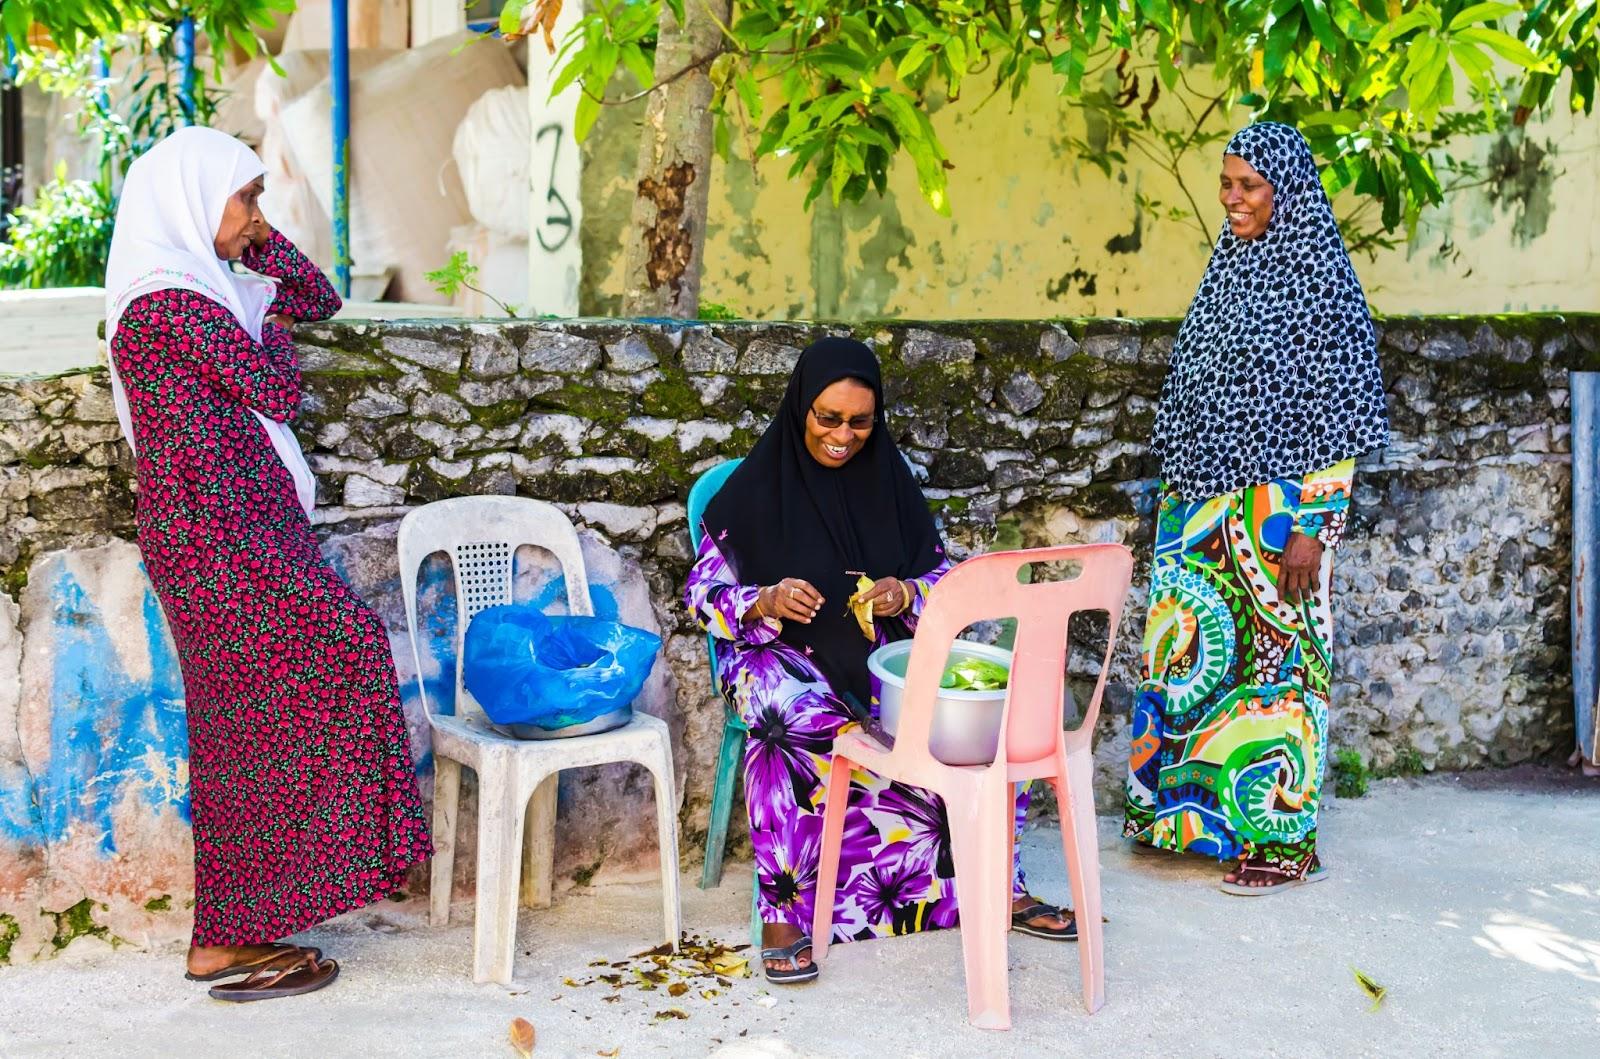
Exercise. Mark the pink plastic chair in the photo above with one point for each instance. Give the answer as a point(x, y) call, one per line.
point(979, 798)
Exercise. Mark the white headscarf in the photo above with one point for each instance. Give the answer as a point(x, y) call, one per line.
point(172, 204)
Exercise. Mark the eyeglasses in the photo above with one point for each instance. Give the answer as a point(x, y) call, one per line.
point(829, 421)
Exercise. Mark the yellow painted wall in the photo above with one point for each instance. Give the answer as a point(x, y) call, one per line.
point(1036, 231)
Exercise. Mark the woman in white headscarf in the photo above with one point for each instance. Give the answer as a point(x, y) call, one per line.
point(303, 794)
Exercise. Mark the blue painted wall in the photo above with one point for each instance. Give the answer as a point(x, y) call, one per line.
point(109, 731)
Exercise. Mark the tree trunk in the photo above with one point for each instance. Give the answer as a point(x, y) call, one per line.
point(667, 236)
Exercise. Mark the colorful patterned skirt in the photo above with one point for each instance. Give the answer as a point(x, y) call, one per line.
point(1230, 725)
point(896, 871)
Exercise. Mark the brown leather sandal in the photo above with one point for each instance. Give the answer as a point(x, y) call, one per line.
point(290, 974)
point(279, 948)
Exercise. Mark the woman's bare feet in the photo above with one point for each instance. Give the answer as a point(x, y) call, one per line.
point(1044, 922)
point(779, 936)
point(209, 959)
point(1257, 873)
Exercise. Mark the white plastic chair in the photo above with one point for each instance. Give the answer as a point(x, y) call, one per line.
point(517, 779)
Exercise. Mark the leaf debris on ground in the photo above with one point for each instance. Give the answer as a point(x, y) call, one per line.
point(522, 1037)
point(1370, 987)
point(707, 967)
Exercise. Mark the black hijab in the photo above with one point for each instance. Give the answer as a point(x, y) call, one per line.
point(783, 514)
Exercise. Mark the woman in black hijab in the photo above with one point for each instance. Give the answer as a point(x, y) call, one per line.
point(824, 498)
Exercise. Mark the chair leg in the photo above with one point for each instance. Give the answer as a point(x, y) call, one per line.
point(660, 767)
point(755, 909)
point(838, 800)
point(1081, 841)
point(729, 758)
point(980, 844)
point(500, 822)
point(446, 802)
point(539, 844)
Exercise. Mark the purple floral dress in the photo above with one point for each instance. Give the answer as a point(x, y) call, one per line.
point(896, 872)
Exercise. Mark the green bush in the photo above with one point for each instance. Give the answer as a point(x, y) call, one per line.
point(1349, 774)
point(1407, 762)
point(61, 240)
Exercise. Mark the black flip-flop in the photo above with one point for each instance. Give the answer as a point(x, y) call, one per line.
point(235, 969)
point(795, 974)
point(296, 976)
point(1020, 924)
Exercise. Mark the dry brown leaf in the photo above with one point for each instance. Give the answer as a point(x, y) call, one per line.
point(540, 16)
point(522, 1037)
point(609, 1053)
point(671, 1013)
point(710, 994)
point(677, 989)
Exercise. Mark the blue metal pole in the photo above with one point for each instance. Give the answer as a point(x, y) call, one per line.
point(1584, 389)
point(102, 100)
point(340, 76)
point(186, 69)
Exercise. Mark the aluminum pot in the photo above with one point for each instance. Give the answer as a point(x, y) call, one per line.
point(966, 724)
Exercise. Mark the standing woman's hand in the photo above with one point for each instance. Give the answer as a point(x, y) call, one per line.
point(1300, 569)
point(789, 600)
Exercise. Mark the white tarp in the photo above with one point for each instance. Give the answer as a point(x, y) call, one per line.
point(405, 193)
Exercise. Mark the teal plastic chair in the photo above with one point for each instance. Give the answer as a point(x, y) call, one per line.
point(734, 729)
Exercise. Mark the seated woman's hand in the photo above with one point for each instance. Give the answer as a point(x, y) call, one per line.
point(789, 600)
point(889, 596)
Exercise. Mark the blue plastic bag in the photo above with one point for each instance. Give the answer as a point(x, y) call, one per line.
point(538, 674)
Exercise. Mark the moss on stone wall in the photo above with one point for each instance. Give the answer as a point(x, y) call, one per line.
point(78, 922)
point(10, 931)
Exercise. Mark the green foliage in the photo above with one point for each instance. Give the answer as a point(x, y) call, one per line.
point(840, 89)
point(75, 26)
point(716, 311)
point(61, 239)
point(1408, 762)
point(458, 275)
point(1350, 776)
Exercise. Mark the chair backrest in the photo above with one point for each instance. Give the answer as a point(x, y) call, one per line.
point(987, 588)
point(481, 535)
point(705, 487)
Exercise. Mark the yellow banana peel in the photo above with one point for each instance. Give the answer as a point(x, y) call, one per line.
point(862, 608)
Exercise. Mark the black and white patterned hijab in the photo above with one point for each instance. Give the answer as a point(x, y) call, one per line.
point(1275, 370)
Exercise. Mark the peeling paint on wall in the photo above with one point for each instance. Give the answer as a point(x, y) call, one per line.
point(1020, 193)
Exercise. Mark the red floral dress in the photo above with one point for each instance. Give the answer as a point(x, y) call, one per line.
point(303, 794)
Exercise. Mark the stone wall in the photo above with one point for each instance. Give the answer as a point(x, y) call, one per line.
point(1452, 620)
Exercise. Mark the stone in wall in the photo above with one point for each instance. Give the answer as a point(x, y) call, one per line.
point(1451, 614)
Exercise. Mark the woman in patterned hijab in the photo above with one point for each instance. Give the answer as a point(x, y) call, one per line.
point(1273, 392)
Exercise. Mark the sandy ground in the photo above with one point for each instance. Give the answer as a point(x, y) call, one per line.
point(1475, 901)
